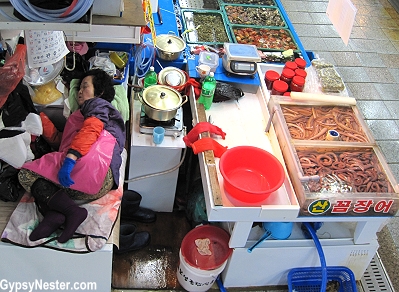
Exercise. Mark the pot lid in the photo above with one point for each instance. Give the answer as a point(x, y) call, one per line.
point(170, 43)
point(162, 97)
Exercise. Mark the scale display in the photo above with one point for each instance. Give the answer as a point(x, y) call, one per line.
point(243, 67)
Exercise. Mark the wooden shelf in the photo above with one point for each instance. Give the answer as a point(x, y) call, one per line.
point(125, 29)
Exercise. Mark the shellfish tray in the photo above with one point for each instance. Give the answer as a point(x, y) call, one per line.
point(250, 2)
point(342, 177)
point(253, 15)
point(267, 39)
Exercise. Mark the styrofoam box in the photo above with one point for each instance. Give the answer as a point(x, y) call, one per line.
point(277, 102)
point(270, 266)
point(108, 8)
point(306, 198)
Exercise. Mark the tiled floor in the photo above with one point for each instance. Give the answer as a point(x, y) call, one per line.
point(369, 66)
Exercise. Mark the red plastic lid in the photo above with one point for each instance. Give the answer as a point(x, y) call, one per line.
point(287, 93)
point(301, 63)
point(288, 73)
point(272, 75)
point(280, 86)
point(298, 80)
point(291, 65)
point(301, 72)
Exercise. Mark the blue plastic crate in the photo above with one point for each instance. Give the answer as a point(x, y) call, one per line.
point(309, 279)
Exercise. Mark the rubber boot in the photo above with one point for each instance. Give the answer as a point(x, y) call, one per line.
point(131, 210)
point(130, 240)
point(51, 222)
point(74, 215)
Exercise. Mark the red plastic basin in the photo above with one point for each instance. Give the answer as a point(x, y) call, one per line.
point(250, 174)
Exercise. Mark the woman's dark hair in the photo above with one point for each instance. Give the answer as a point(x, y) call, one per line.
point(102, 83)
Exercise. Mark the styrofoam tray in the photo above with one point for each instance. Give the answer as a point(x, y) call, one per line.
point(244, 123)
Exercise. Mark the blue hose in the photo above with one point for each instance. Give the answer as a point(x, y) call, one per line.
point(220, 284)
point(321, 255)
point(37, 14)
point(143, 59)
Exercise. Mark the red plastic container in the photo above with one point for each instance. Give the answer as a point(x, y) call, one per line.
point(297, 83)
point(287, 75)
point(219, 247)
point(291, 65)
point(270, 77)
point(250, 174)
point(301, 63)
point(279, 87)
point(301, 72)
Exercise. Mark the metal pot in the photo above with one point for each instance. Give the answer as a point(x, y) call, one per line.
point(169, 46)
point(161, 102)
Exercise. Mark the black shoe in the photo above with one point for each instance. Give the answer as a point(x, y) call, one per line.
point(130, 240)
point(143, 215)
point(131, 210)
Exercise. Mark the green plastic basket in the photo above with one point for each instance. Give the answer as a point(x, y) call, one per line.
point(191, 29)
point(250, 2)
point(267, 35)
point(264, 21)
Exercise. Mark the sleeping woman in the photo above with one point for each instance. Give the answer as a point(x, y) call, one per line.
point(86, 165)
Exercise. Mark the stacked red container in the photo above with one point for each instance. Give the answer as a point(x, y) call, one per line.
point(301, 63)
point(287, 75)
point(270, 77)
point(279, 87)
point(297, 83)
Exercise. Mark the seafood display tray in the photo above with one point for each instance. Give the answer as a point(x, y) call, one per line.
point(204, 32)
point(336, 178)
point(269, 38)
point(265, 16)
point(200, 4)
point(250, 2)
point(306, 121)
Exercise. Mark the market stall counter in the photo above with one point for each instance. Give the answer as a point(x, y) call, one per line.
point(347, 240)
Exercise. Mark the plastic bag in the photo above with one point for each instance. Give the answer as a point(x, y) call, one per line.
point(46, 94)
point(12, 72)
point(90, 170)
point(330, 80)
point(10, 188)
point(102, 61)
point(225, 91)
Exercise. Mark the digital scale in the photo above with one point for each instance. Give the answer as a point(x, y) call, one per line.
point(240, 59)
